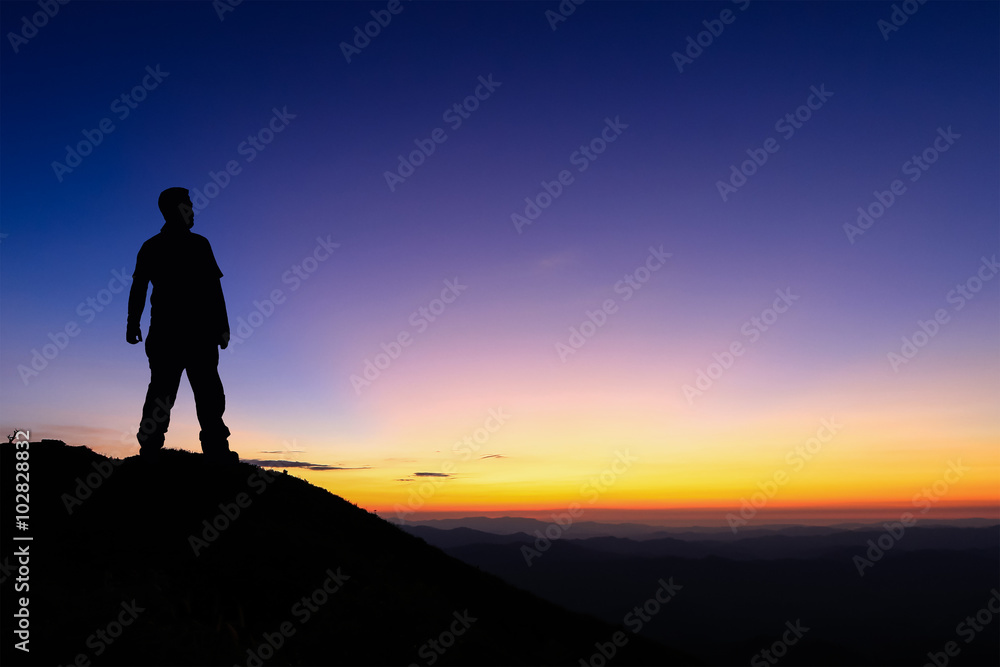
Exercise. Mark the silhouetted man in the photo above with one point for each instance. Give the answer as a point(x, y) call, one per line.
point(188, 324)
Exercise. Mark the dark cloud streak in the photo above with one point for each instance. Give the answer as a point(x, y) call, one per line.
point(278, 463)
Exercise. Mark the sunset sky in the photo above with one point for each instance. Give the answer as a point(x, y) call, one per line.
point(577, 352)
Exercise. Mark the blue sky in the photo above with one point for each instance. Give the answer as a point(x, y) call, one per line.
point(343, 126)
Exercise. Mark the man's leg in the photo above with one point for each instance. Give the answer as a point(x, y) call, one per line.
point(209, 399)
point(164, 379)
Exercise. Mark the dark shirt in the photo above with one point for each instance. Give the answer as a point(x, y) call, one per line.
point(187, 294)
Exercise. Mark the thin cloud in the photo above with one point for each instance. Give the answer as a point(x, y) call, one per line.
point(278, 463)
point(415, 475)
point(557, 260)
point(493, 456)
point(282, 451)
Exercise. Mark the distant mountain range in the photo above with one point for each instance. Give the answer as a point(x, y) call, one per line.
point(867, 595)
point(186, 563)
point(509, 525)
point(760, 544)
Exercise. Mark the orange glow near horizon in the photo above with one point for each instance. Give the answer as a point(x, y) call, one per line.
point(846, 447)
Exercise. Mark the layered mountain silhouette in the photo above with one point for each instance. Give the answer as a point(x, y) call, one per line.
point(188, 563)
point(914, 598)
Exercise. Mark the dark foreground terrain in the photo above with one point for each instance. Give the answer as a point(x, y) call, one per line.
point(185, 563)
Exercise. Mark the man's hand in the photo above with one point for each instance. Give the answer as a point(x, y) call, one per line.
point(224, 340)
point(133, 336)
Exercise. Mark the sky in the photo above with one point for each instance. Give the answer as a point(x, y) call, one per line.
point(690, 262)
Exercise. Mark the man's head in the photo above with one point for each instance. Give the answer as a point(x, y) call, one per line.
point(175, 205)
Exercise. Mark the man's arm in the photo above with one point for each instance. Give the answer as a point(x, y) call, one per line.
point(218, 299)
point(223, 316)
point(136, 301)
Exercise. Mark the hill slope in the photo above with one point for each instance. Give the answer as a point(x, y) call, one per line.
point(187, 563)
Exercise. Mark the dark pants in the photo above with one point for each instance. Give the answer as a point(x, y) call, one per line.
point(169, 356)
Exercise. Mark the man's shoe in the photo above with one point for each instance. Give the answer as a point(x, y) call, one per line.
point(225, 458)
